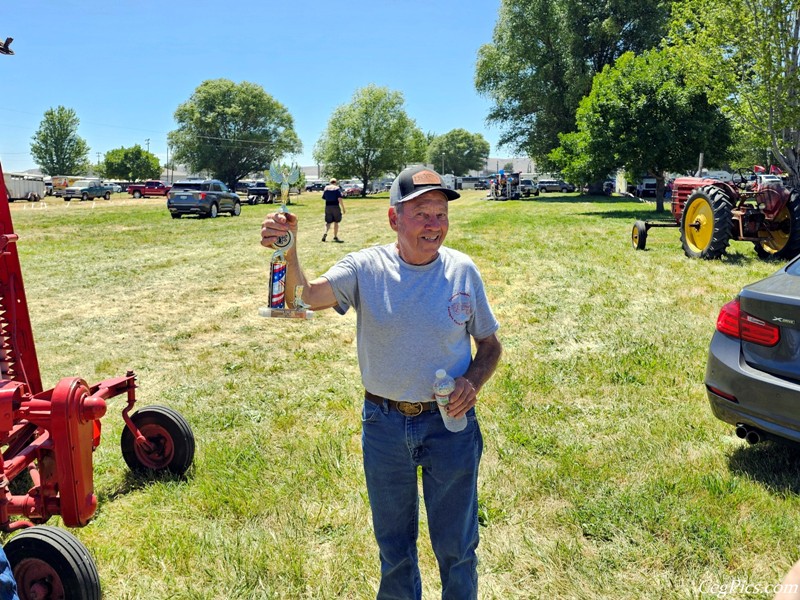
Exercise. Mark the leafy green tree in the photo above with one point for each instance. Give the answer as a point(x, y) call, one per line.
point(131, 164)
point(746, 53)
point(543, 56)
point(231, 130)
point(369, 137)
point(56, 147)
point(458, 152)
point(641, 115)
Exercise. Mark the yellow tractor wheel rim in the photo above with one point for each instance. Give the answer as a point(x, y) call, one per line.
point(635, 236)
point(699, 227)
point(778, 237)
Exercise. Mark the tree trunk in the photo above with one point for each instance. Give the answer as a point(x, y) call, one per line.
point(660, 191)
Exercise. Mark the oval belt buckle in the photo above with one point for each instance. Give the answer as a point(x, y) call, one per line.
point(409, 409)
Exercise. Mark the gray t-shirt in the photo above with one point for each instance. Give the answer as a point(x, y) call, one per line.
point(412, 320)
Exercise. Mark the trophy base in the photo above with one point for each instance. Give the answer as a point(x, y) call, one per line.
point(285, 313)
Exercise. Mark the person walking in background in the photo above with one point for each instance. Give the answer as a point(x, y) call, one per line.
point(334, 209)
point(419, 306)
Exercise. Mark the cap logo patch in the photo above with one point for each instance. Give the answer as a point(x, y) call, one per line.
point(426, 178)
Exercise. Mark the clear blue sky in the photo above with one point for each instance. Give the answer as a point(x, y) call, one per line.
point(124, 66)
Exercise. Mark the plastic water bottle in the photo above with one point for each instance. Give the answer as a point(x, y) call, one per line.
point(442, 388)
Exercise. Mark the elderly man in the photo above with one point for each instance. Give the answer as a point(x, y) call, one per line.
point(419, 306)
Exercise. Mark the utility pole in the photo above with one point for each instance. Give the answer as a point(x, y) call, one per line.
point(147, 141)
point(442, 163)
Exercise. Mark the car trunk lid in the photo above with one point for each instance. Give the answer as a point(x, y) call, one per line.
point(775, 301)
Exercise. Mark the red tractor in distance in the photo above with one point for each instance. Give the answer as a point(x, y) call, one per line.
point(711, 212)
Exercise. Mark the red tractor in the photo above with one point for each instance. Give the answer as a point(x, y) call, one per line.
point(711, 212)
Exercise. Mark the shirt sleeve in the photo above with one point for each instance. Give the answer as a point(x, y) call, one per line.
point(343, 277)
point(483, 323)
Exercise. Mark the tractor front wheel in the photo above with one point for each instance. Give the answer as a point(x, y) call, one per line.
point(784, 240)
point(48, 562)
point(169, 442)
point(639, 235)
point(706, 223)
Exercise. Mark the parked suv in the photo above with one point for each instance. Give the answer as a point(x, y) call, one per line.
point(555, 185)
point(203, 198)
point(528, 187)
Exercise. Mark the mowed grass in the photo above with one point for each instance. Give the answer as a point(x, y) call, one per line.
point(604, 473)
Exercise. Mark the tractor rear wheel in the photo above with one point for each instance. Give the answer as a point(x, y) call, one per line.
point(784, 240)
point(48, 562)
point(639, 235)
point(170, 441)
point(706, 223)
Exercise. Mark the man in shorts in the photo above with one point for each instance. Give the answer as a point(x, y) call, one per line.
point(334, 208)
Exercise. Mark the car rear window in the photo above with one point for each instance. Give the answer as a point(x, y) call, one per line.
point(189, 185)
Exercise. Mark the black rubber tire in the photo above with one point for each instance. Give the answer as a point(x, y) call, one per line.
point(791, 246)
point(45, 550)
point(107, 196)
point(137, 194)
point(213, 211)
point(717, 223)
point(639, 235)
point(175, 215)
point(84, 196)
point(171, 436)
point(237, 209)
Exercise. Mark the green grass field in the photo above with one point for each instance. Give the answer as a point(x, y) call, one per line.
point(604, 475)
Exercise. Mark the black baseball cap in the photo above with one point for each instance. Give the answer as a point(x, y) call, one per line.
point(415, 181)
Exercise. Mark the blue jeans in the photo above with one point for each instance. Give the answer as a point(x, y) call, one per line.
point(394, 447)
point(8, 587)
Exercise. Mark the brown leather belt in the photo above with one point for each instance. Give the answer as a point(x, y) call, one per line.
point(409, 409)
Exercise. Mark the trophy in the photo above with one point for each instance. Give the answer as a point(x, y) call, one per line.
point(277, 266)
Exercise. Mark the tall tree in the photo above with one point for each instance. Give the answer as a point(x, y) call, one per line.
point(458, 152)
point(56, 147)
point(369, 137)
point(543, 56)
point(747, 54)
point(231, 130)
point(131, 164)
point(642, 116)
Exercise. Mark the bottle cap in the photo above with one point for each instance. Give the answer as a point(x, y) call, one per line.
point(440, 373)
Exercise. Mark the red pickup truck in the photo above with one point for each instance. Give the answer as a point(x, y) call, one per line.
point(148, 188)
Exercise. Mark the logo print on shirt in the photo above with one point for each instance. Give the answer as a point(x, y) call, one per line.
point(460, 308)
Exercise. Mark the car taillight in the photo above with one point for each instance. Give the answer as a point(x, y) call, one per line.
point(733, 321)
point(202, 195)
